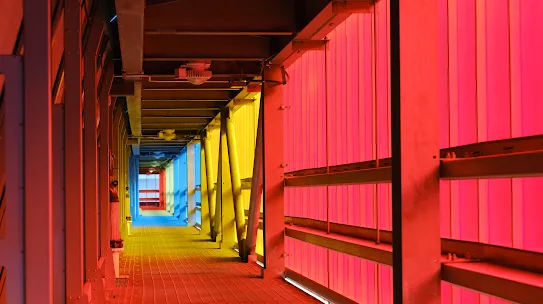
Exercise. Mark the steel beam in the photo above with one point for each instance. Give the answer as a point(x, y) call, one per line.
point(214, 47)
point(368, 250)
point(415, 151)
point(38, 152)
point(211, 188)
point(324, 291)
point(513, 285)
point(367, 176)
point(191, 185)
point(91, 157)
point(235, 178)
point(12, 255)
point(256, 192)
point(325, 21)
point(59, 204)
point(205, 222)
point(104, 177)
point(273, 172)
point(269, 16)
point(520, 164)
point(214, 33)
point(227, 205)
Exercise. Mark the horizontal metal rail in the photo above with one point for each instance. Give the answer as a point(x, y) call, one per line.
point(510, 284)
point(368, 250)
point(511, 158)
point(505, 256)
point(321, 290)
point(366, 176)
point(521, 164)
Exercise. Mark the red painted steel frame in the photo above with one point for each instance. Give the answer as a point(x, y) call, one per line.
point(415, 151)
point(12, 253)
point(90, 150)
point(38, 165)
point(105, 125)
point(273, 173)
point(256, 192)
point(73, 146)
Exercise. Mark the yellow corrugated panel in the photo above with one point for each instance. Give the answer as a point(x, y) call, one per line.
point(246, 122)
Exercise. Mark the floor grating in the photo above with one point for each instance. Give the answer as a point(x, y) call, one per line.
point(169, 265)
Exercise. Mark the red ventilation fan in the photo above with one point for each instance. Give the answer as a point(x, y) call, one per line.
point(195, 72)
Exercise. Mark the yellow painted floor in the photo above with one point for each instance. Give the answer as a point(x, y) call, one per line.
point(178, 265)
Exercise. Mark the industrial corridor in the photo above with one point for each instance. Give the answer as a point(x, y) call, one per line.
point(271, 151)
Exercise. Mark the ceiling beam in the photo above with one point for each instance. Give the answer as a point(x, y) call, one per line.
point(214, 15)
point(192, 95)
point(214, 33)
point(207, 47)
point(130, 17)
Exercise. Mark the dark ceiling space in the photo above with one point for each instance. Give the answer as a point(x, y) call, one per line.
point(156, 37)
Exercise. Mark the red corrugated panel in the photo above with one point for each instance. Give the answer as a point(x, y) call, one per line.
point(358, 279)
point(334, 116)
point(489, 90)
point(489, 81)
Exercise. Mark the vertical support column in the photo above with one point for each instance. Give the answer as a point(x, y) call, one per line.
point(191, 185)
point(211, 188)
point(205, 212)
point(91, 161)
point(59, 238)
point(256, 192)
point(162, 188)
point(105, 125)
point(415, 151)
point(228, 217)
point(217, 225)
point(12, 244)
point(273, 173)
point(38, 152)
point(235, 178)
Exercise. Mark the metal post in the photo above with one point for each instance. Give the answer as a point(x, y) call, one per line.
point(59, 239)
point(217, 226)
point(205, 213)
point(38, 171)
point(12, 244)
point(235, 177)
point(105, 125)
point(256, 192)
point(91, 154)
point(228, 217)
point(273, 173)
point(415, 151)
point(191, 186)
point(211, 188)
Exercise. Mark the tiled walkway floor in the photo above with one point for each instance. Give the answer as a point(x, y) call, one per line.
point(177, 265)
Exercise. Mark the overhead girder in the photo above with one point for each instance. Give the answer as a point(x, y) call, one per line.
point(130, 25)
point(231, 47)
point(214, 15)
point(195, 95)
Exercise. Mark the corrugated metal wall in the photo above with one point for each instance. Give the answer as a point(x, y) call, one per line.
point(489, 68)
point(340, 113)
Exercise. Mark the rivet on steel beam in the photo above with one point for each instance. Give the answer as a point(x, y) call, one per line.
point(284, 165)
point(284, 107)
